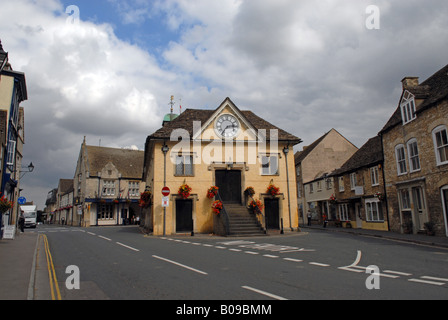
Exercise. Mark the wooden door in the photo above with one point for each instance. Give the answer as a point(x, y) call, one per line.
point(184, 215)
point(229, 184)
point(272, 212)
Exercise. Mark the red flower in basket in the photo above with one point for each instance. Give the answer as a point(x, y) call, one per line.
point(273, 190)
point(184, 191)
point(217, 207)
point(212, 192)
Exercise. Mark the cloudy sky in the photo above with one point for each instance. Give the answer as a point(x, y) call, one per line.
point(107, 68)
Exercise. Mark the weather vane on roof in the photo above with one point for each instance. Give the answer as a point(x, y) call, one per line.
point(172, 103)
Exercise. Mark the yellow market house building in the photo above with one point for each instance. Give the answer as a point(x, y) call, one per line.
point(233, 150)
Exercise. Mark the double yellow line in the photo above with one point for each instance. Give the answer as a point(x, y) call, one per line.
point(51, 272)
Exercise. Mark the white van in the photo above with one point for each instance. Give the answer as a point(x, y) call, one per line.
point(30, 215)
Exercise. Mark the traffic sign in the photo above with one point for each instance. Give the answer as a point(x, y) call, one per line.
point(165, 202)
point(166, 191)
point(21, 200)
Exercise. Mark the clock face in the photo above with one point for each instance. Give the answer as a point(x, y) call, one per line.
point(227, 126)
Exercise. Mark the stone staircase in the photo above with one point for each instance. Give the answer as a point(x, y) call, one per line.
point(242, 223)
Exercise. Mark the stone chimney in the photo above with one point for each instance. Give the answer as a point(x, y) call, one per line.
point(410, 82)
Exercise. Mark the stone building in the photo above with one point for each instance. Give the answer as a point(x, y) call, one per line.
point(231, 149)
point(50, 206)
point(359, 198)
point(107, 185)
point(13, 91)
point(415, 144)
point(64, 213)
point(313, 163)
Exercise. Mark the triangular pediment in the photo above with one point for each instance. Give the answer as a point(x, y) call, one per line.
point(227, 123)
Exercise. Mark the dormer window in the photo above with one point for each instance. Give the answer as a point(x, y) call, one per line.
point(407, 108)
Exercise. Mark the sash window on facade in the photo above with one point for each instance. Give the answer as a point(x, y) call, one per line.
point(184, 166)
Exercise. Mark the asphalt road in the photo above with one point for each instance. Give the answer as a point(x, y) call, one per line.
point(120, 263)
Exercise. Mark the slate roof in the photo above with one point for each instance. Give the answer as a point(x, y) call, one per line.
point(128, 162)
point(370, 154)
point(433, 90)
point(51, 197)
point(65, 186)
point(186, 119)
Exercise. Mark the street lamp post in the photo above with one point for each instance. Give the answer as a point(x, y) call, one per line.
point(286, 151)
point(30, 169)
point(165, 150)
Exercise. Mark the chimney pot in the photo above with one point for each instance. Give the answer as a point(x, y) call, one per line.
point(410, 82)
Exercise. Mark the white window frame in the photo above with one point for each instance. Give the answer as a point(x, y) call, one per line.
point(405, 202)
point(11, 153)
point(374, 176)
point(341, 184)
point(186, 163)
point(106, 211)
point(353, 181)
point(445, 209)
point(439, 149)
point(269, 167)
point(134, 188)
point(414, 156)
point(408, 108)
point(108, 188)
point(401, 159)
point(343, 212)
point(329, 183)
point(374, 211)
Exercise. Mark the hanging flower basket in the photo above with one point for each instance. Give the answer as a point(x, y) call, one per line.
point(184, 191)
point(250, 191)
point(273, 190)
point(5, 204)
point(332, 199)
point(145, 199)
point(212, 192)
point(256, 206)
point(217, 207)
point(380, 196)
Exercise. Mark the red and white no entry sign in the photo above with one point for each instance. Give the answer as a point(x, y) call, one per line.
point(166, 191)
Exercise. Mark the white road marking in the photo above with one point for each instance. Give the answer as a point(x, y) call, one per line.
point(180, 265)
point(270, 256)
point(319, 264)
point(105, 238)
point(354, 264)
point(427, 282)
point(398, 273)
point(292, 260)
point(434, 278)
point(123, 245)
point(251, 252)
point(267, 294)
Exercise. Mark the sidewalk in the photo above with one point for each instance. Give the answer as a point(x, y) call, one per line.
point(17, 265)
point(421, 239)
